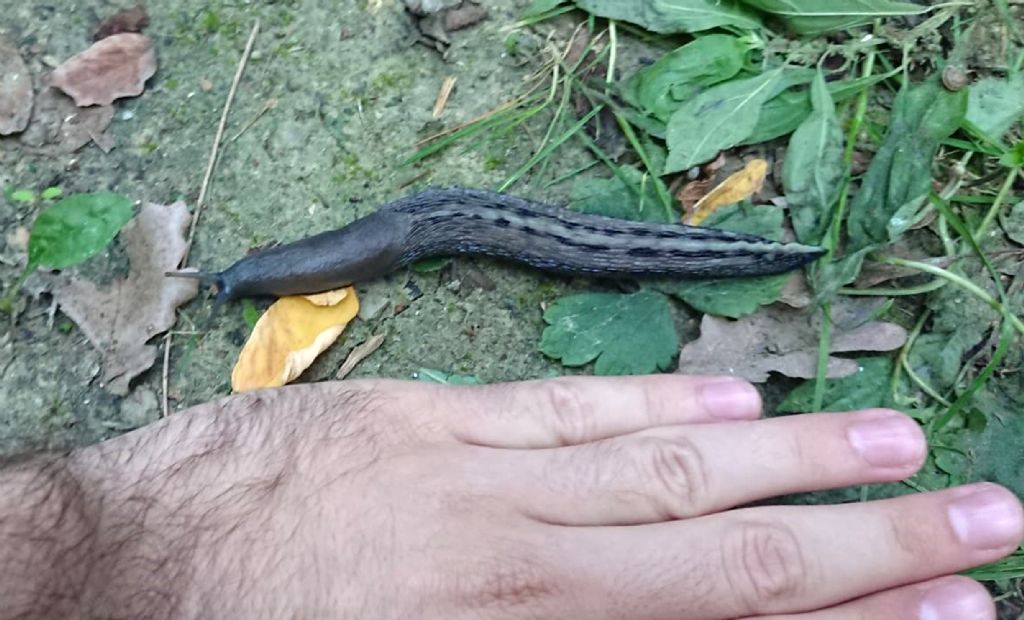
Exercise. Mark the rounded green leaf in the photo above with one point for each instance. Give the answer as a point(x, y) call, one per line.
point(76, 228)
point(626, 334)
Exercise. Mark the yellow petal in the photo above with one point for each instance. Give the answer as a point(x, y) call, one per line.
point(737, 187)
point(289, 337)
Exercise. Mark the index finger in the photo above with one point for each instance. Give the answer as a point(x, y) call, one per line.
point(573, 410)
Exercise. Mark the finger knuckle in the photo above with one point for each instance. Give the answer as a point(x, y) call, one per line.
point(764, 564)
point(572, 420)
point(677, 471)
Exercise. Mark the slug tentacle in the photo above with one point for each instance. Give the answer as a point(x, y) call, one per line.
point(466, 221)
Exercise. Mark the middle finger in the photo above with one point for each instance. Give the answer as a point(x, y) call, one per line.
point(678, 472)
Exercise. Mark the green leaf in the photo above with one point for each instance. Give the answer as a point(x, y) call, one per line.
point(867, 389)
point(674, 16)
point(1013, 223)
point(997, 452)
point(627, 334)
point(23, 196)
point(995, 104)
point(52, 193)
point(818, 16)
point(784, 112)
point(735, 297)
point(659, 90)
point(431, 375)
point(76, 228)
point(936, 357)
point(780, 115)
point(900, 173)
point(1014, 157)
point(629, 195)
point(430, 265)
point(716, 119)
point(539, 7)
point(834, 275)
point(250, 313)
point(813, 170)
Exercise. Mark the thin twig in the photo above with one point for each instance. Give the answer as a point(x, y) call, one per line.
point(203, 188)
point(268, 105)
point(211, 164)
point(443, 94)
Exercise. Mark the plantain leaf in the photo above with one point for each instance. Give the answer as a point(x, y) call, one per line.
point(783, 113)
point(76, 228)
point(674, 16)
point(716, 119)
point(626, 334)
point(659, 90)
point(818, 16)
point(900, 173)
point(813, 168)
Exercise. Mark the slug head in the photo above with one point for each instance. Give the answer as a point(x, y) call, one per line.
point(207, 279)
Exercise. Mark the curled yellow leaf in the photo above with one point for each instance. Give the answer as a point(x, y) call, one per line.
point(289, 337)
point(329, 298)
point(739, 186)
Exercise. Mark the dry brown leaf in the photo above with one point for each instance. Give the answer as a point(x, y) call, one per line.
point(59, 127)
point(289, 337)
point(796, 293)
point(784, 340)
point(15, 91)
point(128, 20)
point(737, 187)
point(358, 354)
point(691, 193)
point(119, 320)
point(114, 67)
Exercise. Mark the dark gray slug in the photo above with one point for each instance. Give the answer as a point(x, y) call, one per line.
point(453, 221)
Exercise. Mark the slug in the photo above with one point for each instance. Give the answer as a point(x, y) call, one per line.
point(454, 221)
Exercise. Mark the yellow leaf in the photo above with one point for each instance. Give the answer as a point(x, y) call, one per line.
point(737, 187)
point(329, 298)
point(289, 337)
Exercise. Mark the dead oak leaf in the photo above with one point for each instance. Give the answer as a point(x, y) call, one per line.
point(111, 68)
point(737, 187)
point(127, 20)
point(15, 91)
point(59, 127)
point(119, 320)
point(784, 340)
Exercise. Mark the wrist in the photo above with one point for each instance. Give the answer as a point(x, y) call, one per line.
point(48, 530)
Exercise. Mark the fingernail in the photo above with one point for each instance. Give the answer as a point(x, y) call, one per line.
point(987, 518)
point(956, 599)
point(731, 399)
point(887, 440)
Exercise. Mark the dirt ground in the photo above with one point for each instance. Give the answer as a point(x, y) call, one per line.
point(354, 92)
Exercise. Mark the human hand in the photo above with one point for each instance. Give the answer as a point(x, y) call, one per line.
point(571, 498)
